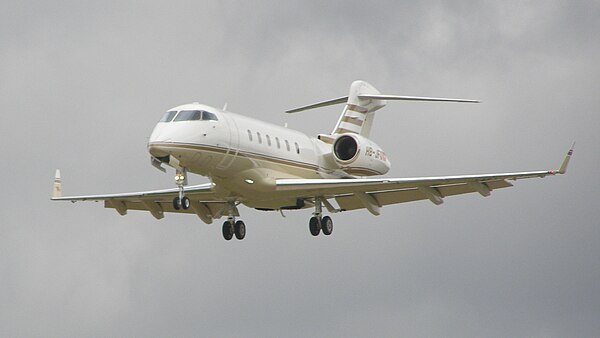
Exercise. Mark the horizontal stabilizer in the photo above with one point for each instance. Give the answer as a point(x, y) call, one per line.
point(344, 99)
point(413, 98)
point(360, 105)
point(331, 102)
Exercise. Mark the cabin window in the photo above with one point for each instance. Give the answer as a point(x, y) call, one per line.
point(189, 115)
point(268, 140)
point(297, 148)
point(287, 145)
point(277, 141)
point(258, 137)
point(249, 135)
point(168, 116)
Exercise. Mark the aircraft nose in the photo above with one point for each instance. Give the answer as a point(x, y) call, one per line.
point(159, 137)
point(160, 134)
point(156, 150)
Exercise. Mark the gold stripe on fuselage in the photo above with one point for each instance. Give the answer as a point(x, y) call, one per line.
point(301, 169)
point(240, 153)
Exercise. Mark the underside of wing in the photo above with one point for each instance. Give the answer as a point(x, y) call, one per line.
point(435, 194)
point(203, 201)
point(373, 193)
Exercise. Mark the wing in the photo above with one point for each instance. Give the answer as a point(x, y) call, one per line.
point(203, 201)
point(372, 194)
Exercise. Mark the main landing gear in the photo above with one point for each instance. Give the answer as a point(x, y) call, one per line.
point(231, 227)
point(318, 223)
point(181, 201)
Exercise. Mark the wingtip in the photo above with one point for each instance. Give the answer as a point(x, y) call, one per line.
point(57, 187)
point(565, 163)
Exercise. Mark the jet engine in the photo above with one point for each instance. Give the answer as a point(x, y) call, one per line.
point(357, 155)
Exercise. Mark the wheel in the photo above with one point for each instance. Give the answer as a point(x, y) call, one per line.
point(176, 203)
point(227, 230)
point(240, 230)
point(185, 203)
point(314, 226)
point(327, 225)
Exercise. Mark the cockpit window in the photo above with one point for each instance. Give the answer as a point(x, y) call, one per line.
point(208, 116)
point(168, 116)
point(189, 115)
point(192, 115)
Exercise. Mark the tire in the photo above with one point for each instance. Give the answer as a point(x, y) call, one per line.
point(176, 203)
point(185, 203)
point(240, 230)
point(314, 226)
point(227, 230)
point(327, 225)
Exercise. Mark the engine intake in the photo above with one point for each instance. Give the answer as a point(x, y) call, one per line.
point(345, 148)
point(357, 155)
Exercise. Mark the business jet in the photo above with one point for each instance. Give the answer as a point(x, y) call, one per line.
point(273, 168)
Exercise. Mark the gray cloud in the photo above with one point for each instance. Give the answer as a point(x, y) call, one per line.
point(82, 85)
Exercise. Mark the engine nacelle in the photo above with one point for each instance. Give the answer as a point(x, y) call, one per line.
point(357, 155)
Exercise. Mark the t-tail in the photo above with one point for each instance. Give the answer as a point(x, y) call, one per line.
point(361, 103)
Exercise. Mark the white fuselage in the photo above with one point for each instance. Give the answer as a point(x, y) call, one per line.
point(243, 156)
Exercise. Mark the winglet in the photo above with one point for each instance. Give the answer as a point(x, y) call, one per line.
point(57, 189)
point(565, 163)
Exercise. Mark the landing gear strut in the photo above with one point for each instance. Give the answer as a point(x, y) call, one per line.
point(181, 201)
point(318, 223)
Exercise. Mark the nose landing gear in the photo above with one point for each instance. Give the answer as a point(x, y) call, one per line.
point(181, 201)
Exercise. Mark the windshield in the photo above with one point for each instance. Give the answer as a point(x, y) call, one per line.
point(208, 116)
point(189, 115)
point(195, 115)
point(168, 116)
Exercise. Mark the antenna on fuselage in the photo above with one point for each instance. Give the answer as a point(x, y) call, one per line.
point(225, 106)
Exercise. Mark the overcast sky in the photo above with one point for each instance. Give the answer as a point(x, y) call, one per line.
point(83, 83)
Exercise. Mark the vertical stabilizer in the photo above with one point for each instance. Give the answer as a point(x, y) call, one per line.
point(357, 116)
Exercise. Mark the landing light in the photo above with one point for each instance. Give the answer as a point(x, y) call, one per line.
point(249, 181)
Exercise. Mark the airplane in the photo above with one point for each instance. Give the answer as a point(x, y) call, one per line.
point(274, 168)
